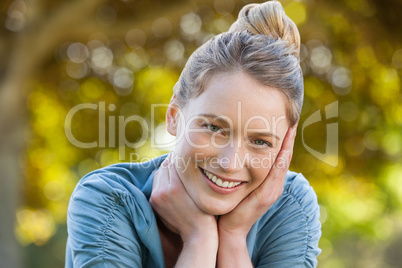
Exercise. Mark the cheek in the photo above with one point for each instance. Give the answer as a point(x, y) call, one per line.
point(197, 140)
point(264, 161)
point(195, 146)
point(261, 166)
point(199, 143)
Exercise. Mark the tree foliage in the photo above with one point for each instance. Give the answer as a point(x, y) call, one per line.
point(119, 58)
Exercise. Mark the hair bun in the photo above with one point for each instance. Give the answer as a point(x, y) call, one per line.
point(269, 19)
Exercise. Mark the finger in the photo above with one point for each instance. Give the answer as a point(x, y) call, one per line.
point(161, 177)
point(171, 169)
point(155, 183)
point(282, 162)
point(174, 177)
point(280, 168)
point(276, 177)
point(165, 167)
point(288, 141)
point(287, 147)
point(168, 159)
point(293, 142)
point(280, 176)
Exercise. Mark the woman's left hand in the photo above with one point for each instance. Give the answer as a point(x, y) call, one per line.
point(239, 221)
point(234, 226)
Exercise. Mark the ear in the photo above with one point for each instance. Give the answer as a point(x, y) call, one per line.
point(172, 116)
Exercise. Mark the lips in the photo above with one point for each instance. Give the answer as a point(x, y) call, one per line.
point(220, 181)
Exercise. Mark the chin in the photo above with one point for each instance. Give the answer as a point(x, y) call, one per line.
point(216, 209)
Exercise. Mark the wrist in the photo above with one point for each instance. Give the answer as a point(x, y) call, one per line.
point(205, 231)
point(203, 245)
point(198, 252)
point(198, 238)
point(232, 233)
point(232, 239)
point(233, 251)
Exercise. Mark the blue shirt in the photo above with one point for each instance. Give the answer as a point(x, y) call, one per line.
point(111, 223)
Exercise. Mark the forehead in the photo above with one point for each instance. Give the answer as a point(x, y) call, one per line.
point(241, 98)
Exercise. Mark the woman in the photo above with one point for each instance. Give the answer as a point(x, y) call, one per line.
point(224, 197)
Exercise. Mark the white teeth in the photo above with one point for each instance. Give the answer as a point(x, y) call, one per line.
point(220, 182)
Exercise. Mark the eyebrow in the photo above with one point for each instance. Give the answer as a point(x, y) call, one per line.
point(226, 123)
point(266, 134)
point(217, 118)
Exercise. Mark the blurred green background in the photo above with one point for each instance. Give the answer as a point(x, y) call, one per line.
point(123, 56)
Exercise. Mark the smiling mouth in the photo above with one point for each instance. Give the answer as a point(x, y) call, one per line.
point(219, 181)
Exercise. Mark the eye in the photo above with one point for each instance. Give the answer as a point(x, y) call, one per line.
point(213, 128)
point(261, 143)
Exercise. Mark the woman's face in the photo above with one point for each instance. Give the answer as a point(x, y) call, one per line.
point(227, 140)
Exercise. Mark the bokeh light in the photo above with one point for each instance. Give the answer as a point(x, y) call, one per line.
point(135, 38)
point(125, 56)
point(16, 16)
point(190, 25)
point(162, 27)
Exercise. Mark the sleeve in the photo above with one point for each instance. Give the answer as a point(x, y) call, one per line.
point(289, 238)
point(100, 231)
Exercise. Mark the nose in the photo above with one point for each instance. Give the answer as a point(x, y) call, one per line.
point(232, 158)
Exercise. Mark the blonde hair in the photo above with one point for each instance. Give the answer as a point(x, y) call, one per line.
point(264, 43)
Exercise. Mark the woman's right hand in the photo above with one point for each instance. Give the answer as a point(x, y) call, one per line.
point(176, 208)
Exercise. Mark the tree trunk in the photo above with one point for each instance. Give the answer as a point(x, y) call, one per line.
point(12, 140)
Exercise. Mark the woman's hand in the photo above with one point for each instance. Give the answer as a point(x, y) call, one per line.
point(181, 215)
point(175, 207)
point(234, 226)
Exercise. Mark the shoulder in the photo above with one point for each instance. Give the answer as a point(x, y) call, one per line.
point(297, 202)
point(297, 189)
point(124, 185)
point(110, 205)
point(117, 180)
point(288, 233)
